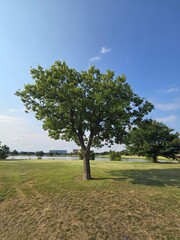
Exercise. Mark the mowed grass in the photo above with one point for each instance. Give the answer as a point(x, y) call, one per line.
point(41, 199)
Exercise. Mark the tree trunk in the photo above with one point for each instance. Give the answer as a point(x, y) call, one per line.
point(87, 169)
point(154, 158)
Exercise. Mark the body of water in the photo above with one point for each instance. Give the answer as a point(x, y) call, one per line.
point(140, 160)
point(21, 157)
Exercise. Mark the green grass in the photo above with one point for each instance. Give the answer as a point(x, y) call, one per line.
point(42, 199)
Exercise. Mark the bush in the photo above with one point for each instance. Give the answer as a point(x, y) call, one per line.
point(4, 151)
point(115, 156)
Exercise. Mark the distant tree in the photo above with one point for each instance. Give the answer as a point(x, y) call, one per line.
point(50, 154)
point(14, 153)
point(23, 153)
point(153, 139)
point(80, 154)
point(4, 151)
point(39, 154)
point(91, 108)
point(27, 153)
point(125, 152)
point(92, 155)
point(115, 156)
point(103, 153)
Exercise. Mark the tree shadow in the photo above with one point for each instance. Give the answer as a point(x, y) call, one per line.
point(150, 177)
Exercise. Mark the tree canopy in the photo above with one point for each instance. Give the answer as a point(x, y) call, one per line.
point(4, 151)
point(89, 107)
point(153, 139)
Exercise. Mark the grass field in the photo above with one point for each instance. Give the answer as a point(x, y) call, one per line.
point(41, 199)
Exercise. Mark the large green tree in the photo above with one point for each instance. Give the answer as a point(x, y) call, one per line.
point(88, 107)
point(4, 151)
point(153, 139)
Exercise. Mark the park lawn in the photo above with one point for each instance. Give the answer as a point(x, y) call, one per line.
point(47, 199)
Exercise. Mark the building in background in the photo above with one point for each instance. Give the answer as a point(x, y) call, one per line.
point(58, 151)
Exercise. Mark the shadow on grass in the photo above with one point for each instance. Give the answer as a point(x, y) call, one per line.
point(151, 177)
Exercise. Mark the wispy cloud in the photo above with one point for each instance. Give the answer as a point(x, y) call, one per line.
point(168, 106)
point(168, 119)
point(98, 57)
point(172, 90)
point(94, 59)
point(105, 50)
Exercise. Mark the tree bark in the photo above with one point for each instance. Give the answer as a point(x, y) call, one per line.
point(87, 170)
point(154, 158)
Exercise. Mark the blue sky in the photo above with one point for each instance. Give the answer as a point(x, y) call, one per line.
point(138, 38)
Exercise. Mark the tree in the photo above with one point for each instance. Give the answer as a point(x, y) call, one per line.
point(39, 154)
point(115, 156)
point(14, 152)
point(153, 139)
point(124, 152)
point(88, 107)
point(4, 151)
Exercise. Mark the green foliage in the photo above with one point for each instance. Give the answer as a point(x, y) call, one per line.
point(89, 107)
point(4, 151)
point(39, 154)
point(115, 156)
point(125, 152)
point(80, 154)
point(70, 103)
point(91, 156)
point(153, 139)
point(14, 153)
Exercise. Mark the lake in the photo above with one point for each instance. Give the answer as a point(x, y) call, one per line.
point(21, 157)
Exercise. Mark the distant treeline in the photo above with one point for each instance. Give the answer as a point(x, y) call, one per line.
point(38, 153)
point(41, 153)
